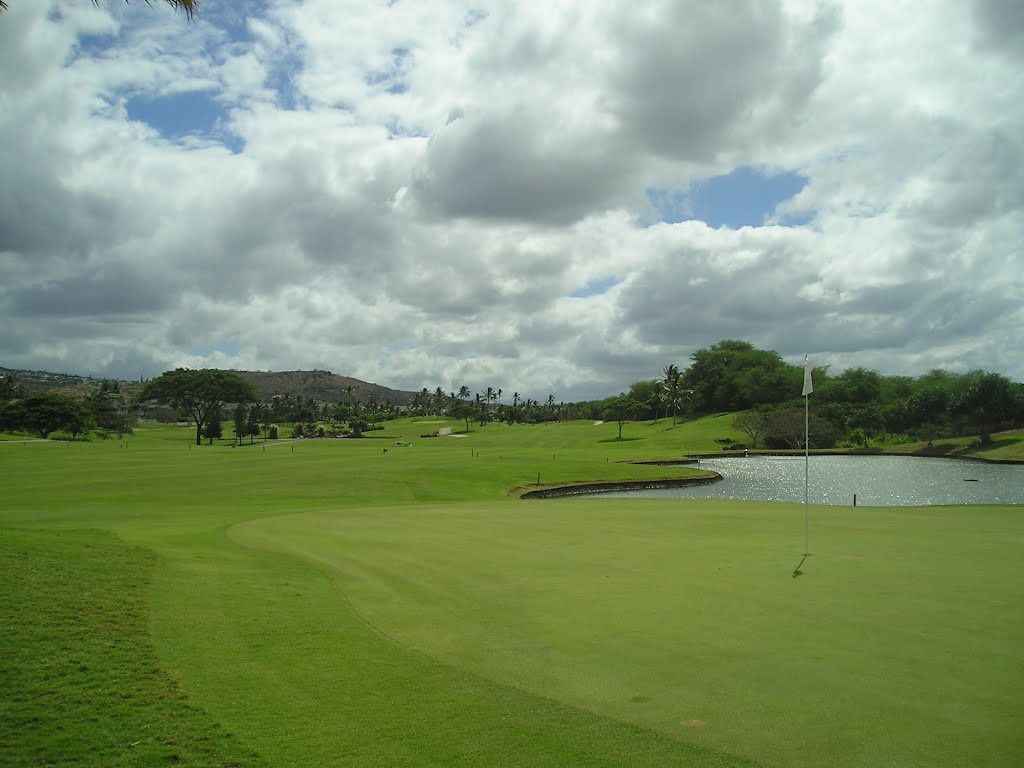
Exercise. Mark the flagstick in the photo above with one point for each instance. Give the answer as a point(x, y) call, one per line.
point(808, 388)
point(807, 462)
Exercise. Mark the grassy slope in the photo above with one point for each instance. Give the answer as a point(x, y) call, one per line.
point(266, 644)
point(1005, 446)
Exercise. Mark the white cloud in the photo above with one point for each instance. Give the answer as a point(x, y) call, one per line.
point(416, 194)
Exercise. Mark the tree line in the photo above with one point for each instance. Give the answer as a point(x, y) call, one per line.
point(855, 408)
point(105, 411)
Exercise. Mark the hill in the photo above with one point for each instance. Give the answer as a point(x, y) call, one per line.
point(34, 382)
point(317, 385)
point(322, 385)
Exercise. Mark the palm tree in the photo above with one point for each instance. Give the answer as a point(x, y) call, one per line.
point(464, 392)
point(673, 388)
point(188, 6)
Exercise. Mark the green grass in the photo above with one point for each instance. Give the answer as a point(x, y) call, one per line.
point(1005, 446)
point(898, 644)
point(328, 603)
point(81, 682)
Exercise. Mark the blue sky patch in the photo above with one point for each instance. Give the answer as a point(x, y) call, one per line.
point(672, 205)
point(194, 113)
point(177, 115)
point(596, 287)
point(229, 348)
point(281, 79)
point(233, 19)
point(393, 77)
point(744, 197)
point(399, 130)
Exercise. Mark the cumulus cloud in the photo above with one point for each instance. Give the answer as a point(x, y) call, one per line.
point(451, 195)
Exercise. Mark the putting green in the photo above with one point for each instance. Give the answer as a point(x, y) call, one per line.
point(897, 646)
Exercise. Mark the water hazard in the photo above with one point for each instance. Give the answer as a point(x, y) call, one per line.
point(901, 481)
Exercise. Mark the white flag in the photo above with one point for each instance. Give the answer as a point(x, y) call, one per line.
point(808, 384)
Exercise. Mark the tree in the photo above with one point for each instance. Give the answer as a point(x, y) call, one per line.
point(9, 388)
point(929, 404)
point(252, 423)
point(857, 386)
point(213, 429)
point(673, 392)
point(650, 393)
point(199, 393)
point(988, 400)
point(188, 6)
point(46, 413)
point(752, 423)
point(786, 427)
point(111, 411)
point(735, 375)
point(241, 419)
point(464, 411)
point(341, 413)
point(357, 424)
point(622, 409)
point(421, 402)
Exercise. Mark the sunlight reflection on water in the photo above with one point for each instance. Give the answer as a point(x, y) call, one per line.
point(876, 480)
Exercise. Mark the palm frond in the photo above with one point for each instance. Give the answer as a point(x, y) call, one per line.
point(188, 6)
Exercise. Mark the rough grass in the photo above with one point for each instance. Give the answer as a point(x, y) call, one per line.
point(81, 682)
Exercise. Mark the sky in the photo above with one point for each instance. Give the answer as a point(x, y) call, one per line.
point(547, 198)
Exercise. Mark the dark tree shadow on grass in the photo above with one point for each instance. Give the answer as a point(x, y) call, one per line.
point(938, 449)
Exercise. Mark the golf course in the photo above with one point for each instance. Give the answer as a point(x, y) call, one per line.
point(393, 601)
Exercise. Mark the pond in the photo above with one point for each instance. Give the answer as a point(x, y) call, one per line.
point(901, 481)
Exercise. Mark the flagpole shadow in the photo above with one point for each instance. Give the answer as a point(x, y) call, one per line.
point(796, 571)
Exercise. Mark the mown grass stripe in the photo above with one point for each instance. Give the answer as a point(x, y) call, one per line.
point(81, 682)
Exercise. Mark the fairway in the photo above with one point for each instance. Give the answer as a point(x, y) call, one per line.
point(327, 603)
